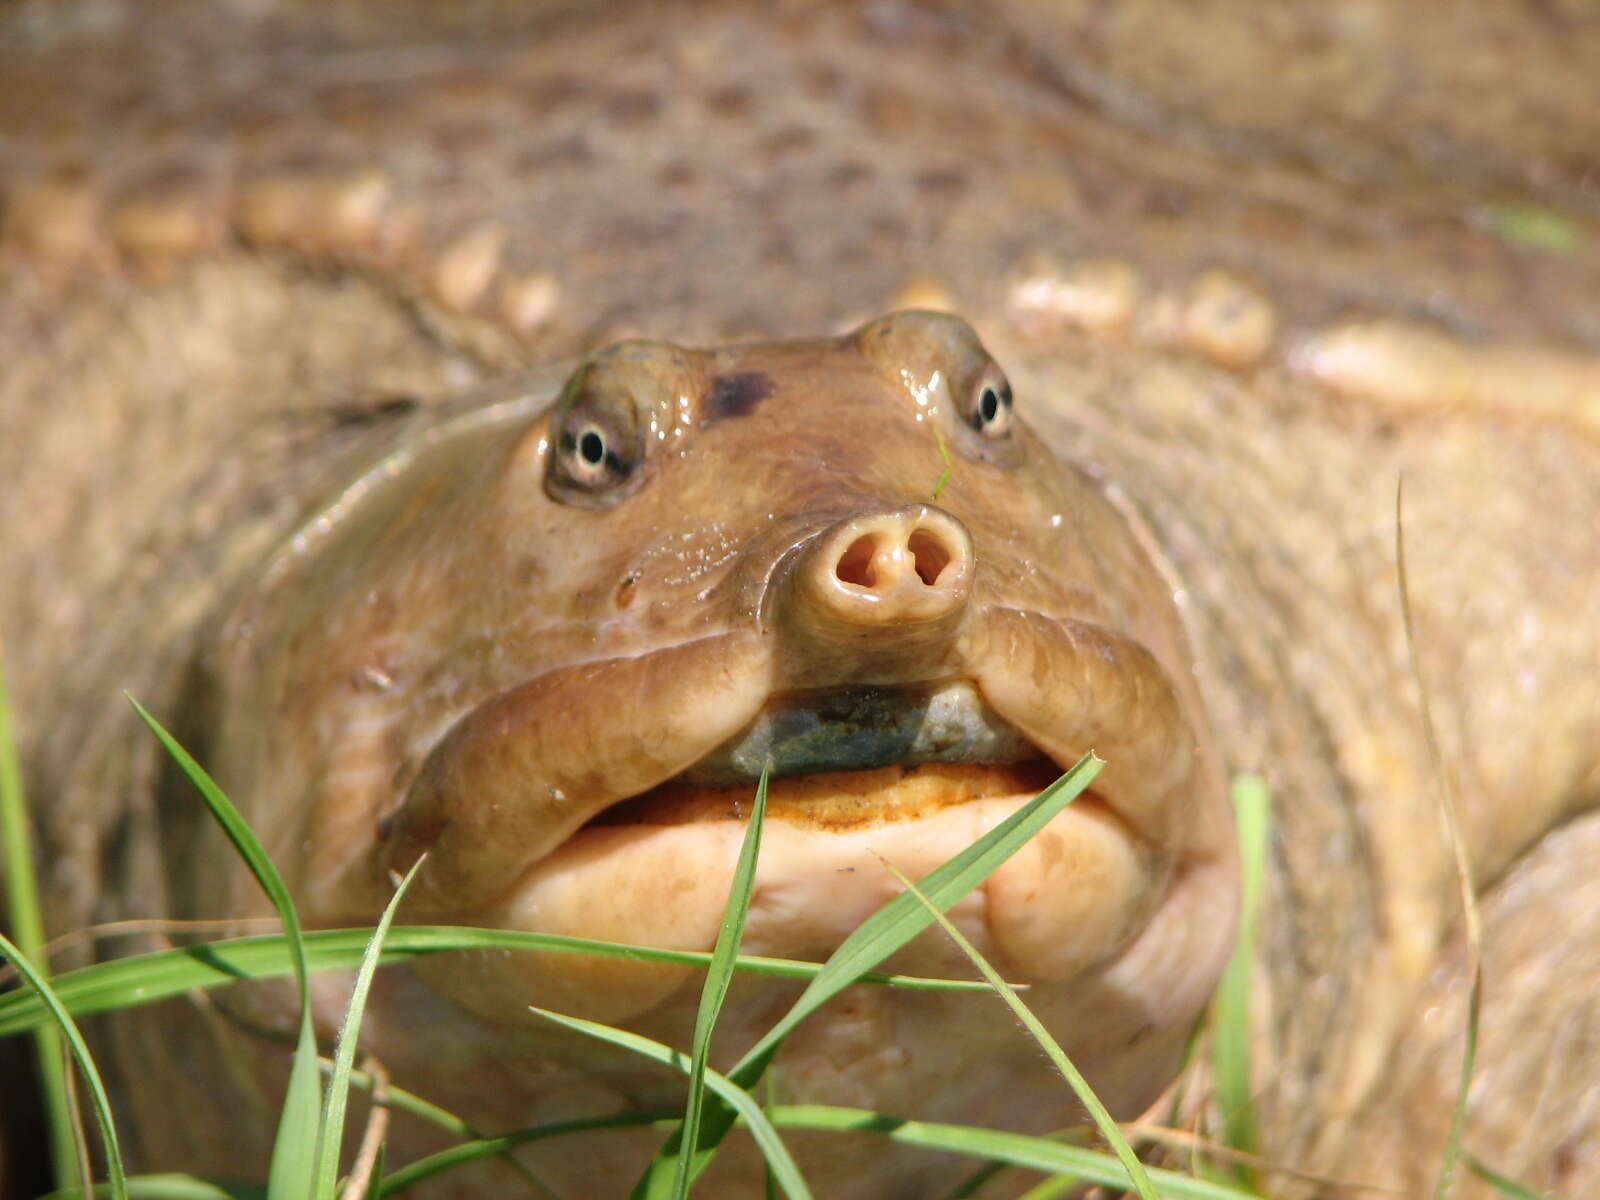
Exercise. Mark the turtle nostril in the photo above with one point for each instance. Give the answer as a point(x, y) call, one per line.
point(929, 553)
point(855, 565)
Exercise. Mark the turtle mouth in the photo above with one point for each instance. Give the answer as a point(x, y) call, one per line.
point(861, 774)
point(540, 769)
point(839, 758)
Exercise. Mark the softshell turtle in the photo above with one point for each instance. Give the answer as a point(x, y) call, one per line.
point(278, 462)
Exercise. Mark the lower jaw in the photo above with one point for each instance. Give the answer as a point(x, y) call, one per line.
point(656, 871)
point(837, 800)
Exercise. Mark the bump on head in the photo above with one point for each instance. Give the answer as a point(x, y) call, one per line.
point(944, 366)
point(606, 422)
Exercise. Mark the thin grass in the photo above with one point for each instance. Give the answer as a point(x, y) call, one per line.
point(461, 1155)
point(944, 456)
point(1014, 1149)
point(1450, 811)
point(1230, 1008)
point(1049, 1189)
point(100, 988)
point(1097, 1111)
point(882, 934)
point(1507, 1187)
point(292, 1173)
point(784, 1169)
point(172, 1186)
point(145, 978)
point(1184, 1139)
point(719, 975)
point(1006, 1149)
point(331, 1130)
point(391, 1095)
point(116, 1181)
point(974, 1183)
point(27, 927)
point(769, 1100)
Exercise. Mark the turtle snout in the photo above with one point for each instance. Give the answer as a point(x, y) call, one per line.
point(905, 566)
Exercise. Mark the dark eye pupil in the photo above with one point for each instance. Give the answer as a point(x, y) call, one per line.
point(989, 405)
point(592, 448)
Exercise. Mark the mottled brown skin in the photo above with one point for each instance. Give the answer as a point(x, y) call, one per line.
point(1245, 300)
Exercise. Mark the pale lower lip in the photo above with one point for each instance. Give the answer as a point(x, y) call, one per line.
point(1070, 898)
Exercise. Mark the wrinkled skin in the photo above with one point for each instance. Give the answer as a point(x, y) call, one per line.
point(284, 472)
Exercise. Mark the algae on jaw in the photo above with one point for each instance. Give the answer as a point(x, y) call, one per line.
point(860, 728)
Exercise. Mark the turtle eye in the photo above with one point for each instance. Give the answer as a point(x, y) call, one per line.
point(988, 408)
point(591, 456)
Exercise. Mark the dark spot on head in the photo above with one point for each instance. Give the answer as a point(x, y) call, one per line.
point(736, 395)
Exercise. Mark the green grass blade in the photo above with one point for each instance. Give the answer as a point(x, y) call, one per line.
point(720, 975)
point(27, 926)
point(974, 1183)
point(1230, 1008)
point(173, 1187)
point(116, 1181)
point(401, 1100)
point(737, 1098)
point(1507, 1187)
point(397, 1098)
point(903, 918)
point(294, 1149)
point(1015, 1149)
point(1010, 1149)
point(769, 1185)
point(371, 1192)
point(145, 978)
point(1069, 1071)
point(876, 938)
point(331, 1132)
point(944, 456)
point(239, 833)
point(1049, 1189)
point(468, 1152)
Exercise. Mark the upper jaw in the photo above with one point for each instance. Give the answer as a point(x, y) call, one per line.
point(862, 727)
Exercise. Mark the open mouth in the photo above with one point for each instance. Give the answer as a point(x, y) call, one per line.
point(862, 773)
point(845, 757)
